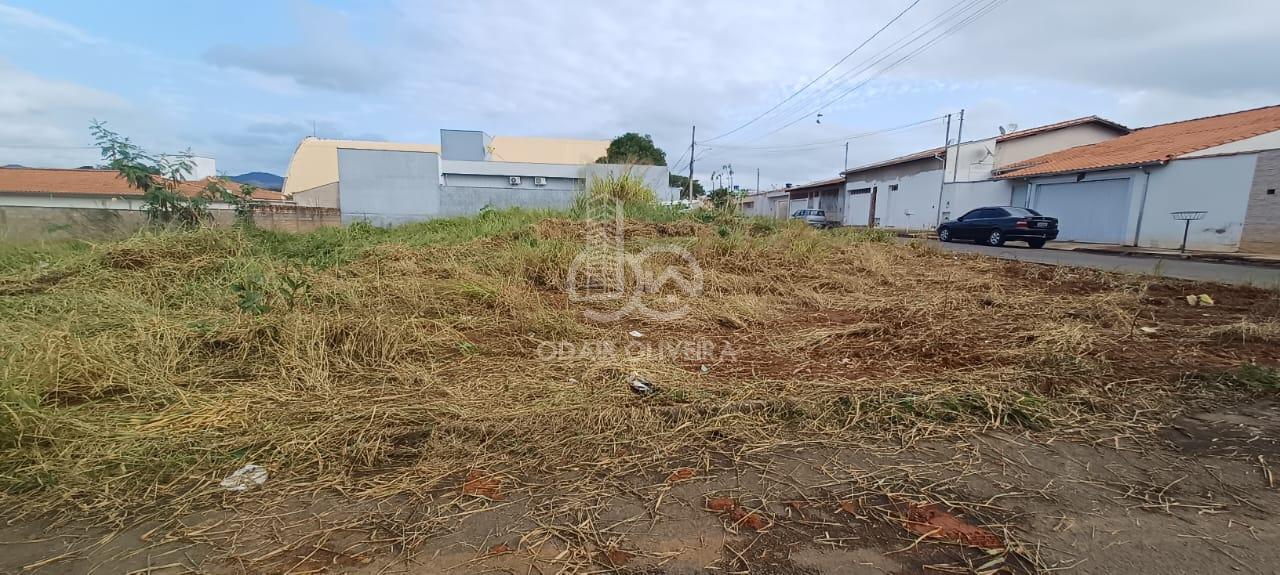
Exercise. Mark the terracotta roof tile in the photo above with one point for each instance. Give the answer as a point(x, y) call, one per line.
point(90, 183)
point(1153, 145)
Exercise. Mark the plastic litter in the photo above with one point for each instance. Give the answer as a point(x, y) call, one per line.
point(635, 334)
point(640, 385)
point(245, 478)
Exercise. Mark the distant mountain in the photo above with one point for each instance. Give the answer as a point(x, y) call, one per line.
point(263, 180)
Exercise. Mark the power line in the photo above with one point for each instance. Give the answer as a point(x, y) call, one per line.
point(834, 141)
point(822, 75)
point(990, 6)
point(906, 39)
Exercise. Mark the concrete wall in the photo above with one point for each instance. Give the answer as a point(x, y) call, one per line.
point(1219, 186)
point(325, 196)
point(1262, 219)
point(388, 188)
point(28, 223)
point(1025, 148)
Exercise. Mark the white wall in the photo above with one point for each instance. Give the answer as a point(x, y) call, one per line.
point(961, 197)
point(917, 191)
point(1218, 185)
point(977, 160)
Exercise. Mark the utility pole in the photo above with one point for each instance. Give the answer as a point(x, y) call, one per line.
point(955, 167)
point(757, 180)
point(946, 143)
point(692, 140)
point(846, 157)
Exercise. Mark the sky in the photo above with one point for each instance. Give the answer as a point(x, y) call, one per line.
point(243, 82)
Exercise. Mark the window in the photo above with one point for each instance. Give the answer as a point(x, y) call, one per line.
point(1271, 192)
point(893, 187)
point(1022, 212)
point(864, 191)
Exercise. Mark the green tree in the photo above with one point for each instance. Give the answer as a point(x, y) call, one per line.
point(242, 200)
point(157, 177)
point(682, 182)
point(632, 148)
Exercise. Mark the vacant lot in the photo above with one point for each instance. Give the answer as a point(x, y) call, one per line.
point(429, 399)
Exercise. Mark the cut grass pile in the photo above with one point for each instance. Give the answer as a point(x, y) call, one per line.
point(136, 374)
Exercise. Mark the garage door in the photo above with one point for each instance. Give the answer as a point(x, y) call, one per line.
point(1096, 211)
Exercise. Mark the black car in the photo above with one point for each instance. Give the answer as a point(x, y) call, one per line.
point(996, 225)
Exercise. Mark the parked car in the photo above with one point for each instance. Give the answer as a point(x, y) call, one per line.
point(996, 225)
point(815, 218)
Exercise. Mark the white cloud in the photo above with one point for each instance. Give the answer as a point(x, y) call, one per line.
point(27, 19)
point(46, 122)
point(328, 56)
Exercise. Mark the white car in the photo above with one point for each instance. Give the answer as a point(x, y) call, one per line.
point(813, 217)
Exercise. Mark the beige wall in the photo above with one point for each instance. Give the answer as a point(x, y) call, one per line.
point(35, 223)
point(1025, 148)
point(325, 196)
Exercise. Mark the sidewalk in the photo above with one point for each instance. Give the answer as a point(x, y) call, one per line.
point(1246, 258)
point(1229, 257)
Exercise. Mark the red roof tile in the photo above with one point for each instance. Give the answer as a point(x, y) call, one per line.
point(91, 183)
point(1153, 145)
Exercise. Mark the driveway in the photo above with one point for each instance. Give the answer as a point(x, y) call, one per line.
point(1174, 268)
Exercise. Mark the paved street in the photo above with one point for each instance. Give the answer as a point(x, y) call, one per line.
point(1175, 268)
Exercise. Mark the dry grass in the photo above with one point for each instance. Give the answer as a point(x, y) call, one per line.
point(133, 382)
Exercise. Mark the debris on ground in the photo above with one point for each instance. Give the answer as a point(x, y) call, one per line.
point(481, 484)
point(681, 474)
point(1202, 299)
point(640, 385)
point(635, 334)
point(932, 521)
point(245, 478)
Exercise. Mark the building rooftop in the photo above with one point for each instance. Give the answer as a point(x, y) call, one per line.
point(82, 182)
point(1154, 145)
point(1063, 124)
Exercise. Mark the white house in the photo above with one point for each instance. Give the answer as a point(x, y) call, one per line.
point(1124, 190)
point(923, 189)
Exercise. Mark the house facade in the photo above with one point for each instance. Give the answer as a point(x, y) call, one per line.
point(921, 190)
point(1125, 190)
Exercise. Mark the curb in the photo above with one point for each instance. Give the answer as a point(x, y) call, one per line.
point(1212, 258)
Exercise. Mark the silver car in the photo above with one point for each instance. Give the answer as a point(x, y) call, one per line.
point(813, 217)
